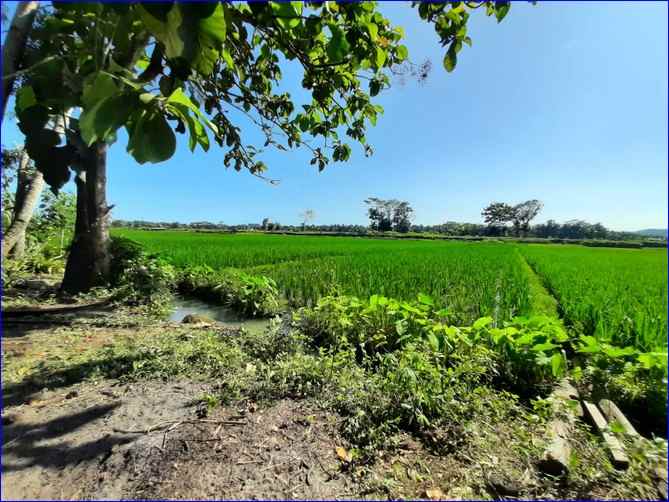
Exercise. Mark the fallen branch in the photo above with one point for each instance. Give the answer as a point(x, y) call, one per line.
point(173, 424)
point(24, 312)
point(613, 414)
point(556, 456)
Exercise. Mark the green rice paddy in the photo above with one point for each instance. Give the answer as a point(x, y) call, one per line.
point(619, 295)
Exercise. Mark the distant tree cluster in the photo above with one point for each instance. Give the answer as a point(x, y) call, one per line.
point(572, 229)
point(386, 215)
point(499, 214)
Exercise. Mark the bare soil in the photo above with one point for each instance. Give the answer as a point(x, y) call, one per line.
point(145, 440)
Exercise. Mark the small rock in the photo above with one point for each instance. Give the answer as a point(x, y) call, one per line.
point(410, 444)
point(434, 494)
point(197, 319)
point(503, 487)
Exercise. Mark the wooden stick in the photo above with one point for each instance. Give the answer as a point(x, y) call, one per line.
point(618, 456)
point(613, 413)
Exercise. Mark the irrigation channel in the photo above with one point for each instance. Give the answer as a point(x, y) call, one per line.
point(183, 306)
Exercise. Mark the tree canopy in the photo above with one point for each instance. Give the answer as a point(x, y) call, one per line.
point(498, 214)
point(385, 215)
point(160, 68)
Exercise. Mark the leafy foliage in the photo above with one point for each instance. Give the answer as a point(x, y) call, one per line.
point(248, 294)
point(141, 279)
point(207, 60)
point(385, 215)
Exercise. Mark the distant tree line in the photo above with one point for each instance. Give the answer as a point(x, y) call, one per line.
point(572, 229)
point(392, 215)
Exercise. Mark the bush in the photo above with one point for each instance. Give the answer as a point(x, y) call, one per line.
point(141, 279)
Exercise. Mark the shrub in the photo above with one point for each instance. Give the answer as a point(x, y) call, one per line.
point(250, 295)
point(139, 278)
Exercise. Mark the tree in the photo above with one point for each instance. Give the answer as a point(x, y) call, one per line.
point(523, 213)
point(402, 215)
point(386, 215)
point(496, 215)
point(307, 216)
point(14, 47)
point(29, 184)
point(139, 66)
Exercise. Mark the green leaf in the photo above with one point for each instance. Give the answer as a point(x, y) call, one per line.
point(178, 96)
point(197, 132)
point(450, 59)
point(286, 13)
point(152, 138)
point(425, 299)
point(373, 31)
point(97, 87)
point(164, 25)
point(193, 32)
point(103, 119)
point(215, 25)
point(402, 52)
point(228, 59)
point(543, 347)
point(616, 352)
point(589, 344)
point(374, 87)
point(501, 10)
point(433, 341)
point(338, 46)
point(380, 57)
point(25, 98)
point(557, 365)
point(482, 323)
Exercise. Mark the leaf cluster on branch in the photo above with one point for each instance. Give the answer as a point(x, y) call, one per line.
point(157, 69)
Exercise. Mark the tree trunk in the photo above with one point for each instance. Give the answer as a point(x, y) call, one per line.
point(15, 43)
point(29, 187)
point(89, 259)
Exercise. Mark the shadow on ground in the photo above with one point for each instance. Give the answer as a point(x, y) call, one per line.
point(28, 445)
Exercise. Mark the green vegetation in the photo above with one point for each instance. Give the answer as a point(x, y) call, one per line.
point(616, 295)
point(377, 299)
point(470, 280)
point(386, 367)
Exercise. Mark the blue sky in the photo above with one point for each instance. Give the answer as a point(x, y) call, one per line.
point(563, 102)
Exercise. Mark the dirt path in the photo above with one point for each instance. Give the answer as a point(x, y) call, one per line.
point(90, 446)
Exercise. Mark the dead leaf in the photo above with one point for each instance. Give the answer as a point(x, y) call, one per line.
point(434, 494)
point(343, 454)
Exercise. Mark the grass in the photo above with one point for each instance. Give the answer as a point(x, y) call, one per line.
point(616, 295)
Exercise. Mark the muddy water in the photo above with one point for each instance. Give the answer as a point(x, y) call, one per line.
point(186, 306)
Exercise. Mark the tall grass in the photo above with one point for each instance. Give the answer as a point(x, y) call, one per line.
point(617, 295)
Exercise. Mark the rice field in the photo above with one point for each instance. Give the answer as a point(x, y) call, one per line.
point(469, 279)
point(618, 295)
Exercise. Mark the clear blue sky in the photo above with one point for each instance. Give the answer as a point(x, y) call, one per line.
point(563, 102)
